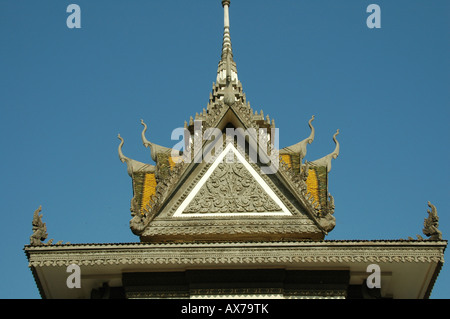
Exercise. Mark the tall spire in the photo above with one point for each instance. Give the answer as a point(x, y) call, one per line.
point(226, 45)
point(227, 87)
point(227, 71)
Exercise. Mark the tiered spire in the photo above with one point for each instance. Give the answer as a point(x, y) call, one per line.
point(227, 86)
point(227, 71)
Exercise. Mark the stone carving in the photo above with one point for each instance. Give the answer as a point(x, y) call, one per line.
point(304, 172)
point(330, 204)
point(263, 228)
point(189, 188)
point(326, 160)
point(154, 148)
point(327, 220)
point(228, 99)
point(139, 221)
point(137, 224)
point(431, 224)
point(323, 215)
point(132, 165)
point(300, 148)
point(299, 187)
point(233, 253)
point(40, 231)
point(231, 189)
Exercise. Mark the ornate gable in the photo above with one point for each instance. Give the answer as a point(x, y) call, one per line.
point(231, 188)
point(276, 196)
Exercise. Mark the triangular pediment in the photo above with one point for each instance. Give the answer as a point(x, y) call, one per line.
point(230, 197)
point(231, 187)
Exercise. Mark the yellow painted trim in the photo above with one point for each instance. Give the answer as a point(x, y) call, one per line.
point(148, 190)
point(287, 160)
point(312, 185)
point(173, 161)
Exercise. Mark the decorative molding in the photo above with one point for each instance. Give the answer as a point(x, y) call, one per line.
point(250, 225)
point(233, 188)
point(157, 295)
point(164, 188)
point(295, 183)
point(288, 254)
point(233, 230)
point(188, 188)
point(267, 293)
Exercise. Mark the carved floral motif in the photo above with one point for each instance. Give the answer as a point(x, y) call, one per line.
point(210, 254)
point(231, 189)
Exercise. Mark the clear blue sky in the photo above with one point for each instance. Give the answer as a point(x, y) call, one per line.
point(65, 94)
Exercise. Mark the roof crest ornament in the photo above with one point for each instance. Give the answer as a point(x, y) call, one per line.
point(154, 148)
point(431, 224)
point(229, 98)
point(326, 160)
point(300, 147)
point(40, 231)
point(132, 165)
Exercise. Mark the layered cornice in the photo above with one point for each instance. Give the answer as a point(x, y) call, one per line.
point(239, 253)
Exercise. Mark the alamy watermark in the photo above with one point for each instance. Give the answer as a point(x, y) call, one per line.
point(74, 279)
point(374, 279)
point(374, 20)
point(74, 19)
point(206, 145)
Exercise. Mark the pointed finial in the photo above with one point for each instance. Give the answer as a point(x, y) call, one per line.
point(301, 147)
point(226, 48)
point(326, 160)
point(144, 139)
point(122, 157)
point(227, 70)
point(335, 154)
point(39, 229)
point(431, 224)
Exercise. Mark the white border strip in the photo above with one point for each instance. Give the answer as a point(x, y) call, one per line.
point(263, 184)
